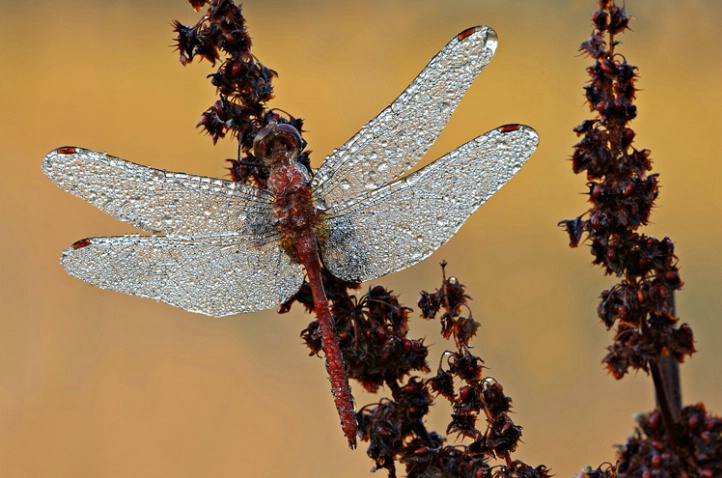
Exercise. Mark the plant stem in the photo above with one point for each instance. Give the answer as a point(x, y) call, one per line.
point(671, 422)
point(668, 392)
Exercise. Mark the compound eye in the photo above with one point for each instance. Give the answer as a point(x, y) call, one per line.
point(276, 142)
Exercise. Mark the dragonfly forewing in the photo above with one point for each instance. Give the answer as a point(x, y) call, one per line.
point(399, 225)
point(212, 276)
point(395, 140)
point(159, 201)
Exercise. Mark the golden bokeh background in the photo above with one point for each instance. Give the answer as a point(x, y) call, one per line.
point(98, 384)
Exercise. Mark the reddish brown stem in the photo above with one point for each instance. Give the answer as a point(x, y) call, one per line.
point(665, 374)
point(671, 424)
point(307, 251)
point(669, 367)
point(664, 398)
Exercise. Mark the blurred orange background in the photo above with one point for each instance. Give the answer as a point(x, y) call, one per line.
point(99, 384)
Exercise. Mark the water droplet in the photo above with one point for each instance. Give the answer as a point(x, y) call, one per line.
point(371, 180)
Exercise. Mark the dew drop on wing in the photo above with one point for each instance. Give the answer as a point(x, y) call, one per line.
point(371, 180)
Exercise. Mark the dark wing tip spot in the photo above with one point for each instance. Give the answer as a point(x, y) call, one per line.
point(508, 128)
point(466, 33)
point(66, 150)
point(81, 243)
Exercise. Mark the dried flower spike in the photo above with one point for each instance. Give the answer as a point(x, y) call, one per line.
point(622, 195)
point(621, 191)
point(243, 83)
point(395, 428)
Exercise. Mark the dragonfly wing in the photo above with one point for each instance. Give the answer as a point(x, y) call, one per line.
point(395, 140)
point(159, 201)
point(214, 276)
point(402, 223)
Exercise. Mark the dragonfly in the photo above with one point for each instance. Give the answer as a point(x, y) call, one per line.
point(222, 248)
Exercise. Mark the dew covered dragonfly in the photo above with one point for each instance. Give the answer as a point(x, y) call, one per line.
point(222, 248)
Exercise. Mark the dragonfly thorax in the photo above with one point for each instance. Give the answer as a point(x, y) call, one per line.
point(294, 206)
point(279, 146)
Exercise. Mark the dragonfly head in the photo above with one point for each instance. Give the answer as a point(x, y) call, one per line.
point(277, 144)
